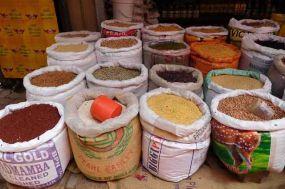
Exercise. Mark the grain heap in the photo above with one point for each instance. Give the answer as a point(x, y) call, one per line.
point(115, 73)
point(77, 36)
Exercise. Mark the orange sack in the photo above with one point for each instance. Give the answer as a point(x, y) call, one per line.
point(207, 56)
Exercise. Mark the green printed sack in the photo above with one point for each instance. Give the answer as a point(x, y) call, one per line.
point(212, 89)
point(248, 146)
point(107, 150)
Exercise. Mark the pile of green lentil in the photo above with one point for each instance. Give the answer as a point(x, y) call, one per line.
point(116, 73)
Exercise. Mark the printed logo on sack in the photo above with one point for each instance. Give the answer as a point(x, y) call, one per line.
point(110, 33)
point(40, 167)
point(154, 150)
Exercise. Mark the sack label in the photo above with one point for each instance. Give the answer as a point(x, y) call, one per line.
point(111, 33)
point(40, 167)
point(154, 151)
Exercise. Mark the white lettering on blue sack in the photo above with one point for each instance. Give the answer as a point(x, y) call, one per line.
point(39, 167)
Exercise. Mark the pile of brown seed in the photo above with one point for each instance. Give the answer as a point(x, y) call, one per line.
point(120, 24)
point(53, 79)
point(163, 28)
point(239, 108)
point(119, 43)
point(75, 35)
point(115, 73)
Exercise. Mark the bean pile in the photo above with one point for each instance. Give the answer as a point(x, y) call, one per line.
point(168, 45)
point(115, 73)
point(181, 76)
point(163, 28)
point(119, 43)
point(75, 35)
point(208, 30)
point(53, 79)
point(174, 108)
point(239, 108)
point(71, 48)
point(120, 24)
point(259, 24)
point(237, 82)
point(272, 44)
point(28, 123)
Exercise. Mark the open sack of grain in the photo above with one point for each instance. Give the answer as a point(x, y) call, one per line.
point(248, 131)
point(157, 32)
point(205, 33)
point(119, 28)
point(125, 49)
point(176, 133)
point(77, 36)
point(176, 77)
point(259, 50)
point(115, 75)
point(79, 54)
point(276, 74)
point(34, 144)
point(54, 83)
point(166, 52)
point(226, 80)
point(207, 56)
point(238, 28)
point(107, 150)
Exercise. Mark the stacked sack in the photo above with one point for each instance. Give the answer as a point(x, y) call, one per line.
point(124, 49)
point(54, 83)
point(249, 139)
point(176, 133)
point(79, 54)
point(207, 56)
point(226, 80)
point(259, 50)
point(107, 150)
point(205, 33)
point(166, 52)
point(238, 28)
point(157, 32)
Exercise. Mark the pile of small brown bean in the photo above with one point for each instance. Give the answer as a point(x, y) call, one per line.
point(53, 79)
point(119, 43)
point(239, 108)
point(115, 73)
point(163, 28)
point(120, 24)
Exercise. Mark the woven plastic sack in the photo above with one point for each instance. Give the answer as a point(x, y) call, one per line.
point(77, 36)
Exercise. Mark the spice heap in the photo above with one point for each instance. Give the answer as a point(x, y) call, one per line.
point(239, 108)
point(258, 24)
point(181, 76)
point(120, 24)
point(237, 82)
point(168, 45)
point(119, 43)
point(75, 35)
point(116, 73)
point(165, 28)
point(208, 30)
point(272, 44)
point(53, 79)
point(174, 108)
point(28, 123)
point(71, 48)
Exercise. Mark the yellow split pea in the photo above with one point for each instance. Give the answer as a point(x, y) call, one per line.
point(174, 108)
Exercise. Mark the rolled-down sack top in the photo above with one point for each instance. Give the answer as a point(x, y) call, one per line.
point(176, 133)
point(112, 146)
point(33, 141)
point(277, 76)
point(248, 129)
point(70, 50)
point(166, 52)
point(205, 33)
point(158, 32)
point(116, 75)
point(125, 49)
point(176, 77)
point(226, 80)
point(77, 36)
point(238, 28)
point(266, 44)
point(119, 28)
point(54, 83)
